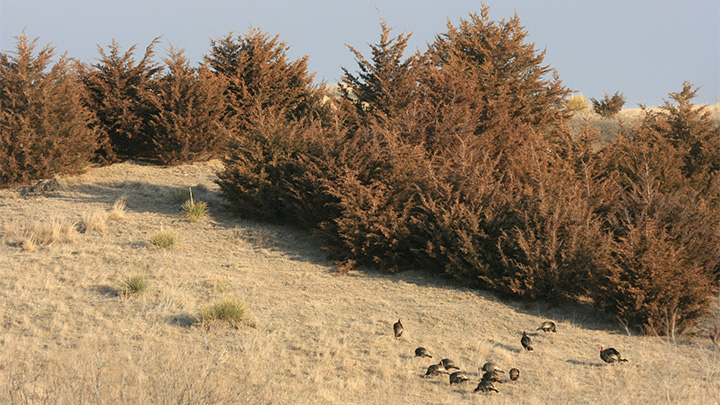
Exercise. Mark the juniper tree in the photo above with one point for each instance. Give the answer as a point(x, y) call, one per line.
point(506, 70)
point(387, 83)
point(115, 87)
point(259, 75)
point(44, 127)
point(188, 105)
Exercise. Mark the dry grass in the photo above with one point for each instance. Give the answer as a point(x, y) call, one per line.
point(118, 210)
point(318, 337)
point(608, 127)
point(165, 238)
point(94, 221)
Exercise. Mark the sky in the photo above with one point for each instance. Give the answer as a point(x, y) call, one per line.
point(644, 49)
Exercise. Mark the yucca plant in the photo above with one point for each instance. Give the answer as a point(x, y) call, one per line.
point(134, 285)
point(194, 210)
point(165, 239)
point(231, 311)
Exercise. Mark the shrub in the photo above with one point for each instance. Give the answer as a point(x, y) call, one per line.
point(134, 285)
point(609, 106)
point(665, 251)
point(43, 125)
point(115, 89)
point(577, 103)
point(258, 75)
point(231, 311)
point(500, 64)
point(165, 239)
point(194, 210)
point(188, 106)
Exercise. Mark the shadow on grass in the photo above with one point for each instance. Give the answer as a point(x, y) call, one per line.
point(506, 347)
point(182, 320)
point(106, 290)
point(584, 363)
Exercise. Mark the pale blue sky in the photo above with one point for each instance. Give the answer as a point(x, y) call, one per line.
point(645, 49)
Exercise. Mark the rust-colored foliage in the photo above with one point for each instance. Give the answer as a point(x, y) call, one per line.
point(115, 87)
point(44, 128)
point(188, 106)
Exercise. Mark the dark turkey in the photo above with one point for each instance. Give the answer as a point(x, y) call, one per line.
point(491, 376)
point(526, 341)
point(548, 326)
point(422, 352)
point(435, 369)
point(398, 329)
point(458, 377)
point(486, 386)
point(514, 374)
point(490, 366)
point(610, 355)
point(448, 364)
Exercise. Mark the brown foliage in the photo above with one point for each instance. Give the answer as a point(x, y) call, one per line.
point(664, 254)
point(115, 87)
point(188, 105)
point(44, 128)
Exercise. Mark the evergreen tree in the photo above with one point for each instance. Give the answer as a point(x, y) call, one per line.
point(505, 69)
point(259, 75)
point(44, 127)
point(115, 88)
point(386, 84)
point(189, 105)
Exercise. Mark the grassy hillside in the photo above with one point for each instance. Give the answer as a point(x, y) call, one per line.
point(70, 333)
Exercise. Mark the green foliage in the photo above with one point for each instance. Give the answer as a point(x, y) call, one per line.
point(134, 285)
point(231, 311)
point(188, 105)
point(165, 239)
point(44, 128)
point(194, 210)
point(609, 106)
point(115, 89)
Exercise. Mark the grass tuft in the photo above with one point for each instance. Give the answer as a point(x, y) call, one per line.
point(194, 210)
point(165, 239)
point(94, 221)
point(134, 285)
point(231, 311)
point(118, 210)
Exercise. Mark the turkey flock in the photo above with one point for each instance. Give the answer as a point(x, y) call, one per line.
point(491, 372)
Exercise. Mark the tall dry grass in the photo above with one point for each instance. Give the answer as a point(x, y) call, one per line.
point(67, 336)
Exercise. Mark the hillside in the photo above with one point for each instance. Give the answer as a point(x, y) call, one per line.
point(69, 335)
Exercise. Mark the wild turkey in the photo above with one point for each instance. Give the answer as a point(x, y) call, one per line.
point(514, 374)
point(422, 352)
point(491, 376)
point(435, 369)
point(486, 386)
point(490, 366)
point(458, 377)
point(610, 355)
point(448, 364)
point(398, 329)
point(548, 326)
point(526, 341)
